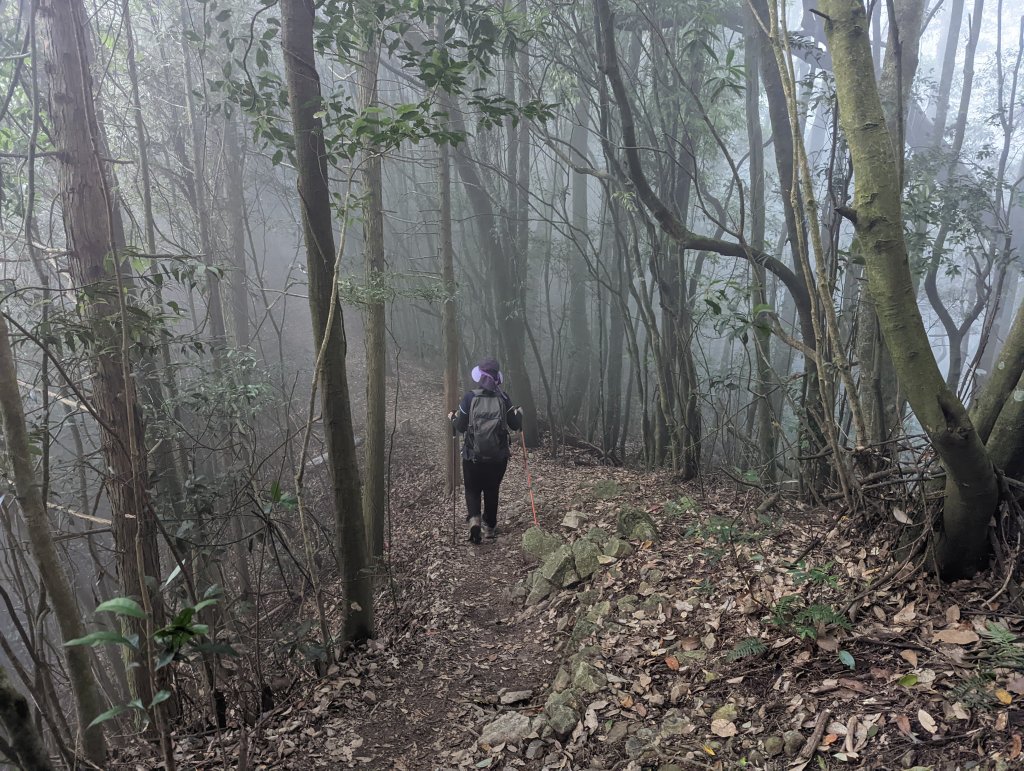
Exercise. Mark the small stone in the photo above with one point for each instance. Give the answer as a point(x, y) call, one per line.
point(535, 749)
point(569, 578)
point(617, 548)
point(618, 732)
point(560, 713)
point(726, 712)
point(514, 697)
point(653, 601)
point(635, 747)
point(573, 520)
point(792, 743)
point(674, 724)
point(627, 603)
point(755, 758)
point(587, 678)
point(562, 680)
point(508, 728)
point(773, 746)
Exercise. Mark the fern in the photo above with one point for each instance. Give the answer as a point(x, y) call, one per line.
point(751, 646)
point(974, 691)
point(1003, 648)
point(822, 614)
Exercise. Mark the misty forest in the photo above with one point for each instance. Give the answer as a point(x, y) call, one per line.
point(720, 301)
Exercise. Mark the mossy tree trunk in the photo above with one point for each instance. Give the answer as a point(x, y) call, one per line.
point(971, 486)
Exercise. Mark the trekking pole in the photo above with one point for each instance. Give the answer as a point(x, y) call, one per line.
point(455, 478)
point(529, 482)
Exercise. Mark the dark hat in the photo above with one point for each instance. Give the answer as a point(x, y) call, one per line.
point(489, 364)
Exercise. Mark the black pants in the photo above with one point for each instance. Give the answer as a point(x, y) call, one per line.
point(483, 478)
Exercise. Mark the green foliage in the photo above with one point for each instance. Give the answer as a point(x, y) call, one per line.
point(746, 648)
point(170, 643)
point(475, 34)
point(1003, 648)
point(682, 505)
point(816, 576)
point(807, 621)
point(724, 530)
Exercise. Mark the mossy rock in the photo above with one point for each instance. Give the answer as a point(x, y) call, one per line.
point(539, 544)
point(597, 535)
point(636, 525)
point(617, 548)
point(561, 681)
point(585, 554)
point(560, 711)
point(587, 678)
point(627, 603)
point(557, 564)
point(653, 601)
point(540, 590)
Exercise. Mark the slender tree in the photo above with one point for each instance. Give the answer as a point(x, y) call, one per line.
point(304, 98)
point(51, 571)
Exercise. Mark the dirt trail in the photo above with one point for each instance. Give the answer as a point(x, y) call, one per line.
point(452, 637)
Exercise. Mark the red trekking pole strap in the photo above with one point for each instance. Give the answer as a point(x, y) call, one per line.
point(529, 481)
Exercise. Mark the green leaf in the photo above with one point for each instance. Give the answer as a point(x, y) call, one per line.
point(908, 680)
point(122, 606)
point(160, 698)
point(174, 574)
point(110, 713)
point(99, 638)
point(847, 658)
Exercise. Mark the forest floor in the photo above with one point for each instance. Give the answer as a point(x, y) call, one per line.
point(744, 635)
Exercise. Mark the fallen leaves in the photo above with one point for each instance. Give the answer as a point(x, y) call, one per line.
point(723, 728)
point(956, 636)
point(927, 721)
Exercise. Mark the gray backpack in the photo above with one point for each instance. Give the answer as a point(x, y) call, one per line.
point(487, 433)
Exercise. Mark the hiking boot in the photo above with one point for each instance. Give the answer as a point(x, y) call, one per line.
point(474, 534)
point(490, 532)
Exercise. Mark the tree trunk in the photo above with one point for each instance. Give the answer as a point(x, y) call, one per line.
point(971, 489)
point(235, 158)
point(449, 317)
point(762, 336)
point(374, 338)
point(579, 359)
point(26, 748)
point(311, 166)
point(51, 571)
point(93, 232)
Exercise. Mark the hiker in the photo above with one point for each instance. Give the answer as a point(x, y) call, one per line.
point(485, 416)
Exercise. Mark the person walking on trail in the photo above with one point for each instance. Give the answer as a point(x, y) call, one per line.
point(485, 415)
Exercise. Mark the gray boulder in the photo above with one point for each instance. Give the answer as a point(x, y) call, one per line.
point(510, 728)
